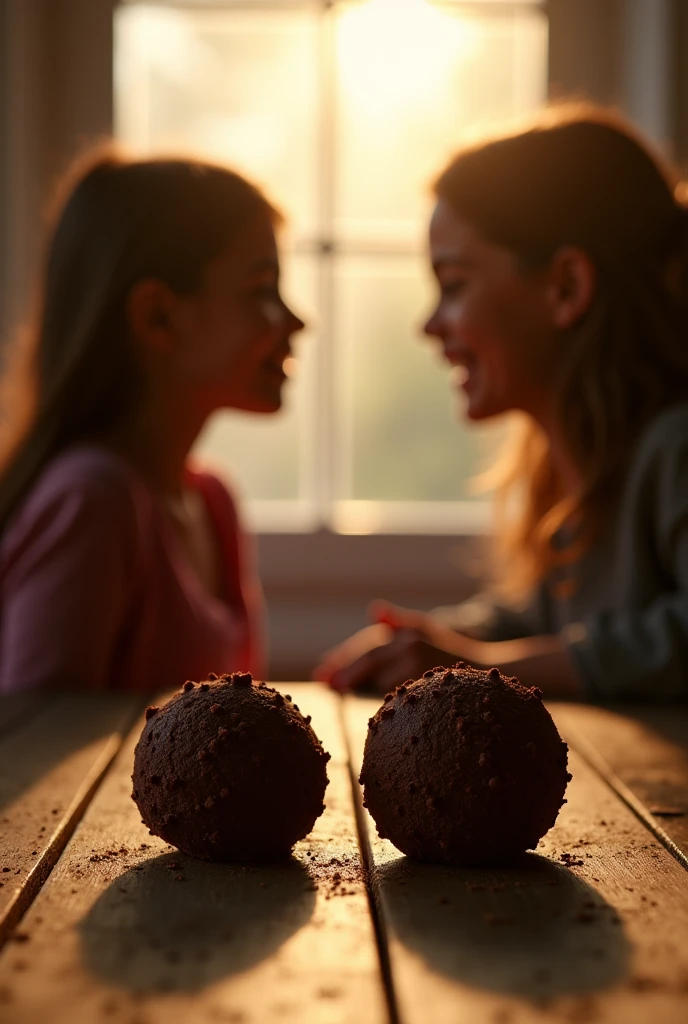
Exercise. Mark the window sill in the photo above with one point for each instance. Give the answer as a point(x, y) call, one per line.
point(318, 585)
point(364, 518)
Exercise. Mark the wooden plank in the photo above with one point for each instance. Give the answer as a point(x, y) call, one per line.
point(16, 708)
point(603, 939)
point(130, 930)
point(50, 765)
point(643, 754)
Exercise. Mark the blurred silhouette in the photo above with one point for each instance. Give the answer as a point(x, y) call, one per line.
point(561, 255)
point(122, 565)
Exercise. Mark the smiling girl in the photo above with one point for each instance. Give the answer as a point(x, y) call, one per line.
point(561, 255)
point(122, 565)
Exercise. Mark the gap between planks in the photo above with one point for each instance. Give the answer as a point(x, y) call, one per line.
point(76, 764)
point(597, 762)
point(114, 932)
point(603, 937)
point(367, 862)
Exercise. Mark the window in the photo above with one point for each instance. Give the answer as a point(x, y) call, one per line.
point(343, 110)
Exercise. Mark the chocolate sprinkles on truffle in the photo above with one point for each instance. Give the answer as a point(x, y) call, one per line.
point(229, 770)
point(464, 767)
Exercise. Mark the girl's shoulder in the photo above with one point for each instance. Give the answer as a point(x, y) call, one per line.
point(87, 468)
point(85, 484)
point(667, 430)
point(661, 450)
point(212, 483)
point(657, 484)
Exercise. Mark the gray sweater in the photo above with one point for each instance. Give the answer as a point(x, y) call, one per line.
point(626, 624)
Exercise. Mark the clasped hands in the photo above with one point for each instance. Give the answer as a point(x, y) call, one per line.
point(400, 644)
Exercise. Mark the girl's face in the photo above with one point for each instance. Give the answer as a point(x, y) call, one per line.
point(493, 320)
point(235, 332)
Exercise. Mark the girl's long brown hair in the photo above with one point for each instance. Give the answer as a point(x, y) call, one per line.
point(580, 175)
point(119, 221)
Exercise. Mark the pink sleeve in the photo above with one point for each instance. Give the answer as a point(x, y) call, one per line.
point(244, 593)
point(67, 573)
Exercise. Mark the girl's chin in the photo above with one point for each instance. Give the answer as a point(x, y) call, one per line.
point(474, 408)
point(263, 402)
point(469, 403)
point(476, 413)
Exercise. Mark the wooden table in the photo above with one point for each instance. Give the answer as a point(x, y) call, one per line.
point(100, 921)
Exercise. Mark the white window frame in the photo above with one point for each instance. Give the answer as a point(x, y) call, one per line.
point(322, 510)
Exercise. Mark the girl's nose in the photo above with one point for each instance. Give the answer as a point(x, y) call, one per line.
point(295, 322)
point(431, 327)
point(289, 321)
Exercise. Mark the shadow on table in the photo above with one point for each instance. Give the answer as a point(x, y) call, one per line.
point(535, 930)
point(167, 928)
point(48, 732)
point(646, 747)
point(670, 721)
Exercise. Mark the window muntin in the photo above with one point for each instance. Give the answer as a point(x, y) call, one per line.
point(343, 111)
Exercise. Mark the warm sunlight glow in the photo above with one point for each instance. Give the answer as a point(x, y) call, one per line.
point(218, 84)
point(343, 112)
point(161, 37)
point(394, 53)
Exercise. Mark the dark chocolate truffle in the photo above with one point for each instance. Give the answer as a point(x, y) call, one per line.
point(229, 769)
point(464, 767)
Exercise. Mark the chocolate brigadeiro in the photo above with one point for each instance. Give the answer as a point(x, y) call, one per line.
point(464, 767)
point(229, 769)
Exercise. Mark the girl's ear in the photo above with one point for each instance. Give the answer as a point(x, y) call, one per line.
point(150, 313)
point(571, 285)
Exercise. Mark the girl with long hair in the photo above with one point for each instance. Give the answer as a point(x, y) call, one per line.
point(561, 254)
point(122, 564)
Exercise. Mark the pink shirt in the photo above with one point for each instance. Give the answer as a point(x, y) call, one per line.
point(97, 591)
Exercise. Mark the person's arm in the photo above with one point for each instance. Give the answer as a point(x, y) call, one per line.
point(617, 654)
point(639, 655)
point(485, 617)
point(68, 570)
point(543, 661)
point(403, 644)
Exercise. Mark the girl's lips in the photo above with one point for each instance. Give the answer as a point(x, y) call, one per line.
point(459, 356)
point(279, 366)
point(458, 376)
point(462, 364)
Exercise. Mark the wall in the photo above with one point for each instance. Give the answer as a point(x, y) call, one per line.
point(55, 98)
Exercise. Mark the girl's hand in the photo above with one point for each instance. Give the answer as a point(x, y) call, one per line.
point(401, 645)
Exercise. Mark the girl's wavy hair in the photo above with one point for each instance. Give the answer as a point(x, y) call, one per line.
point(580, 175)
point(117, 221)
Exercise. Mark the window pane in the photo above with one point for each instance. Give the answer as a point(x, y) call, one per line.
point(370, 416)
point(411, 77)
point(402, 438)
point(237, 85)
